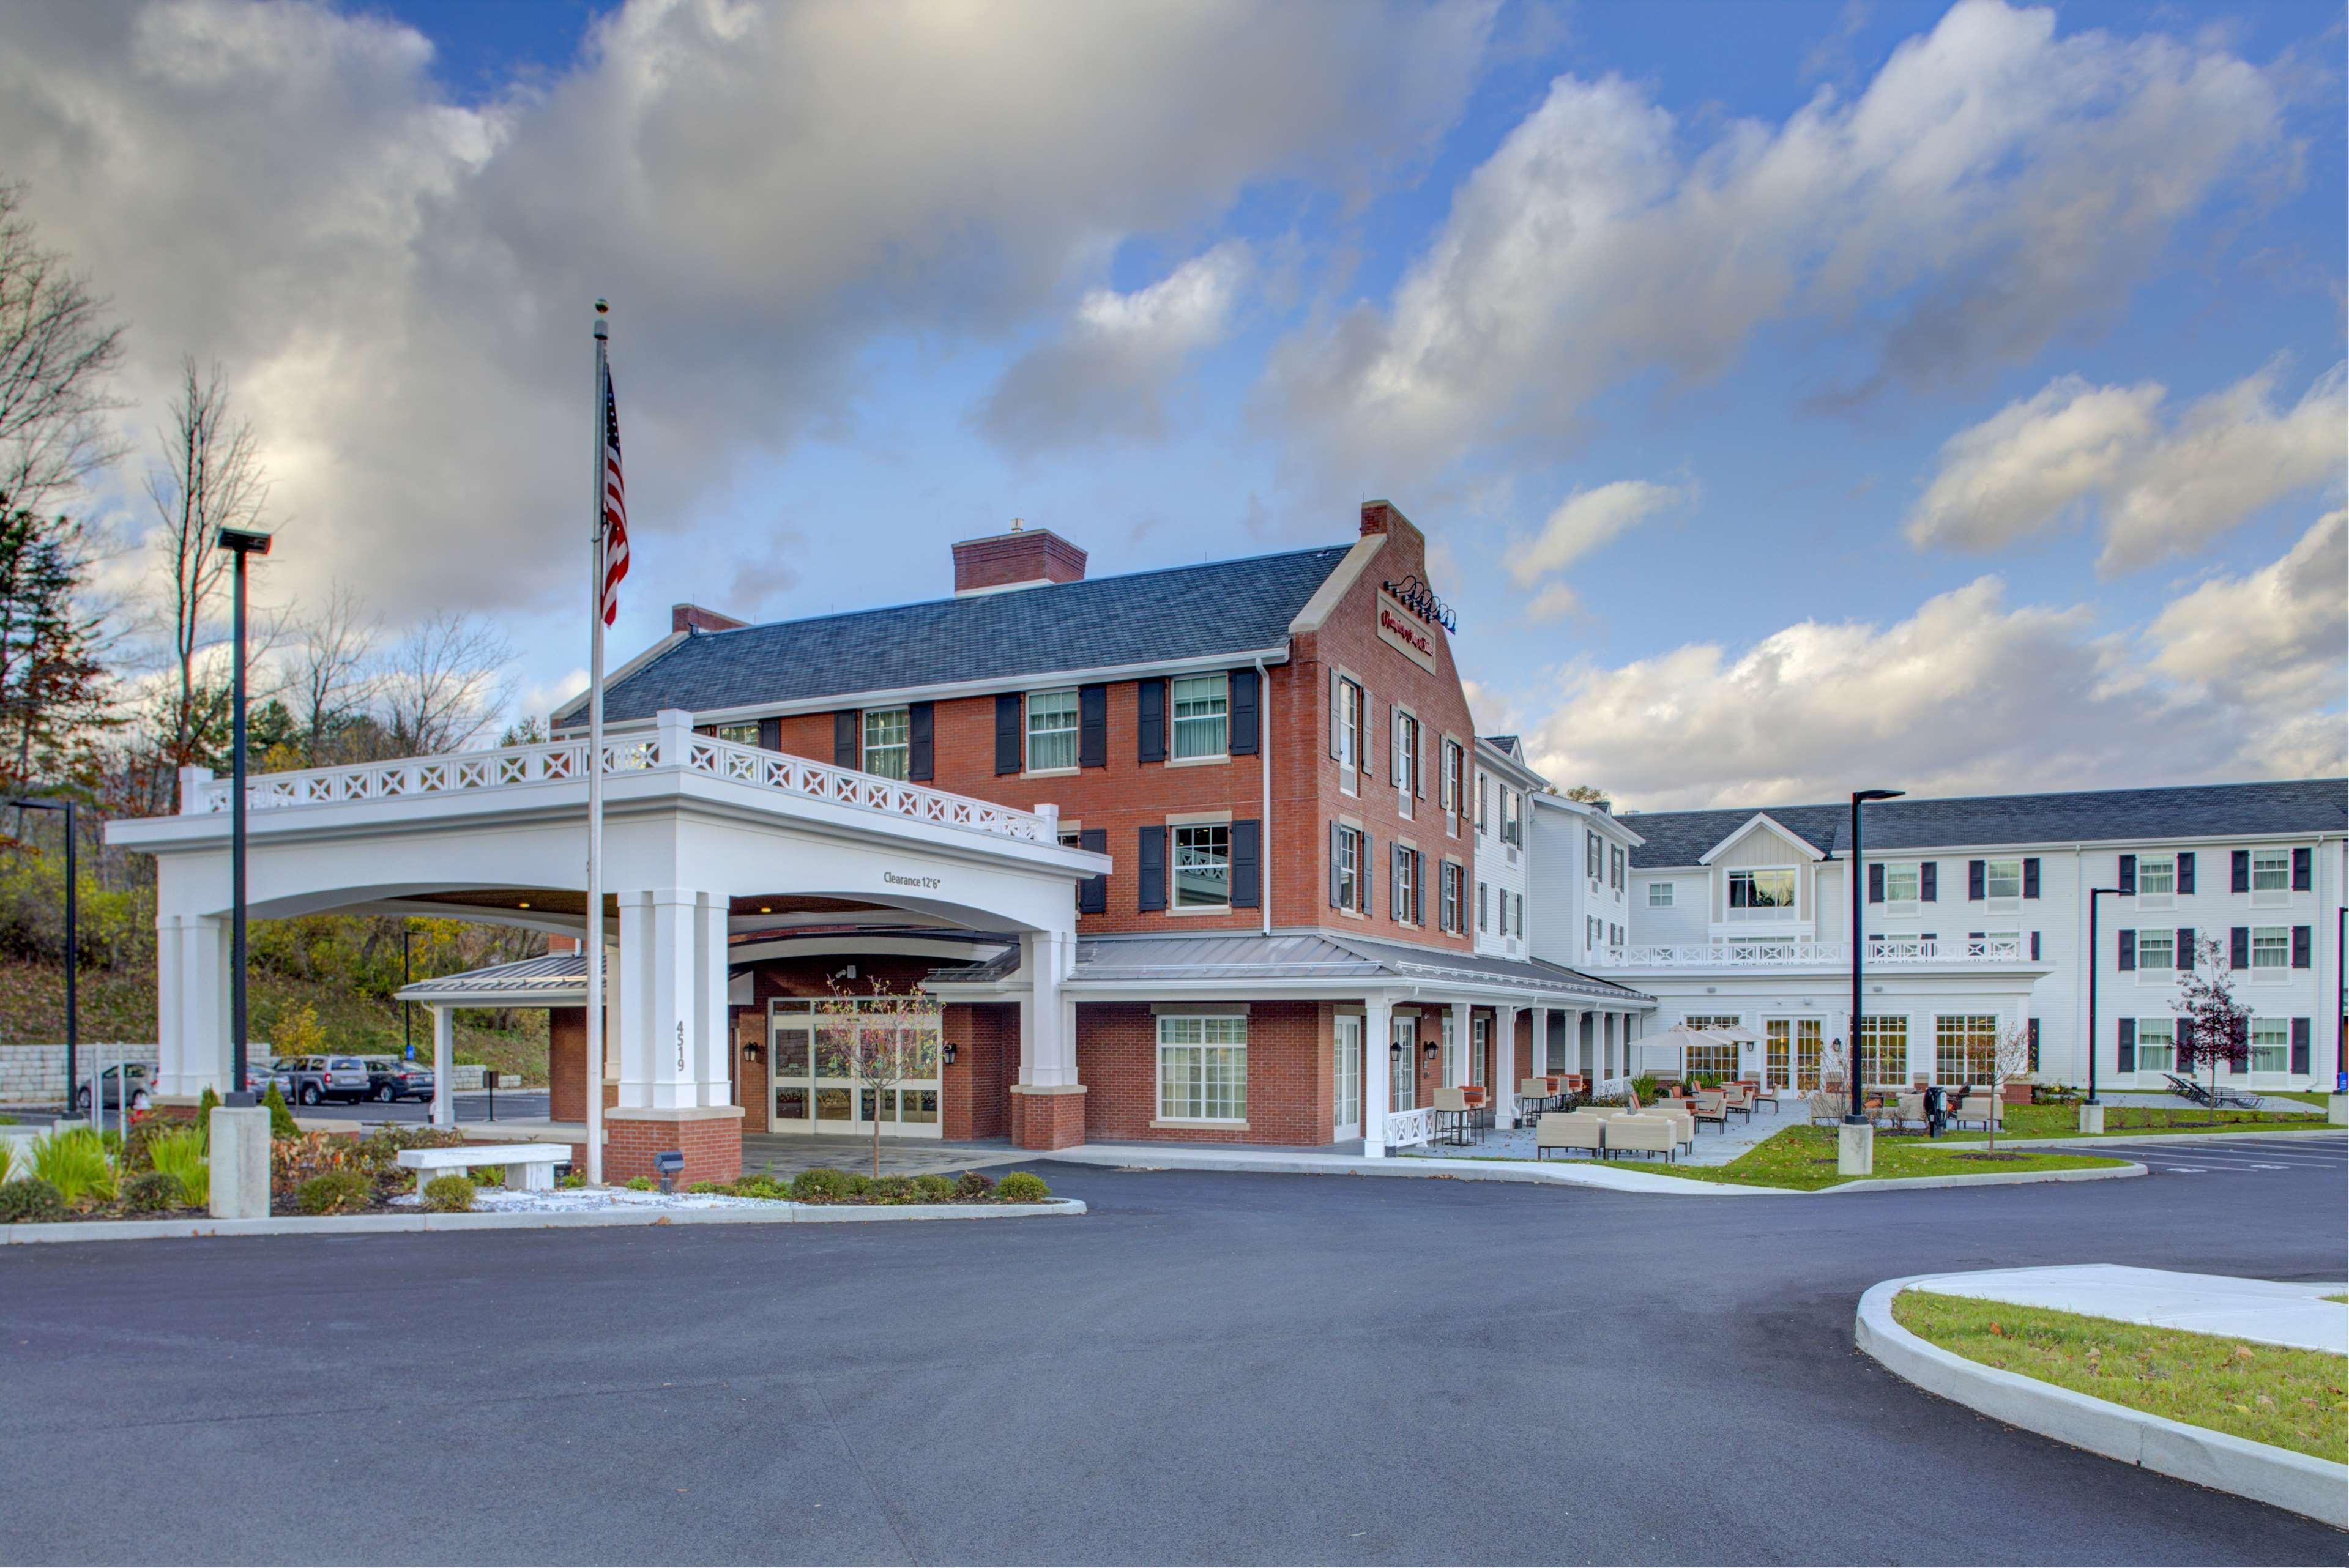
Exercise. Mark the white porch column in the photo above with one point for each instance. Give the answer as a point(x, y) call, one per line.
point(631, 977)
point(1378, 1090)
point(192, 987)
point(1457, 1068)
point(444, 1064)
point(1541, 1041)
point(1505, 1066)
point(671, 1006)
point(1047, 1039)
point(710, 1009)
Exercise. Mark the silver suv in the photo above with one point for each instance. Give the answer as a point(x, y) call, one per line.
point(317, 1079)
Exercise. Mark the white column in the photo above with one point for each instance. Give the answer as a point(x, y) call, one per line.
point(1505, 1066)
point(632, 978)
point(1047, 1041)
point(1378, 1091)
point(672, 1003)
point(1541, 1041)
point(1461, 1044)
point(444, 1065)
point(709, 999)
point(192, 987)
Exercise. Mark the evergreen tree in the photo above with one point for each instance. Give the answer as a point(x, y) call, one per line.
point(53, 696)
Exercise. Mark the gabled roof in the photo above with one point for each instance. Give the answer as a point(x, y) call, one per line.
point(1989, 821)
point(1754, 824)
point(551, 980)
point(1218, 608)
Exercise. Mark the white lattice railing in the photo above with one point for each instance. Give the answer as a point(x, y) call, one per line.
point(1408, 1128)
point(671, 748)
point(1786, 951)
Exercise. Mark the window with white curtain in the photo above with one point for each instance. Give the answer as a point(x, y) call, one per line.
point(888, 745)
point(2271, 1045)
point(1201, 715)
point(1202, 1067)
point(2157, 1049)
point(1052, 730)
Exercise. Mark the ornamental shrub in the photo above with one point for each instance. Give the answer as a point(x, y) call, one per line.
point(281, 1121)
point(31, 1201)
point(450, 1194)
point(151, 1192)
point(890, 1189)
point(641, 1185)
point(206, 1103)
point(179, 1154)
point(334, 1193)
point(934, 1189)
point(713, 1188)
point(975, 1186)
point(825, 1185)
point(1023, 1187)
point(74, 1162)
point(762, 1186)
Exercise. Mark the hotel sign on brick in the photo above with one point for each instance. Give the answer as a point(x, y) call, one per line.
point(1399, 628)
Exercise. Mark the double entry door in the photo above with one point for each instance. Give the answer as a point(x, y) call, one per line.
point(815, 1090)
point(1795, 1038)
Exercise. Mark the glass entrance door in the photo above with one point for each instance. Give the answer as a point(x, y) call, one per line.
point(1345, 1083)
point(815, 1092)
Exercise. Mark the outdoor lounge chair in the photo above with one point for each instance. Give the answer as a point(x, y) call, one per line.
point(1684, 1124)
point(1454, 1121)
point(1537, 1093)
point(1642, 1135)
point(1736, 1097)
point(1711, 1106)
point(1980, 1106)
point(2185, 1088)
point(1564, 1132)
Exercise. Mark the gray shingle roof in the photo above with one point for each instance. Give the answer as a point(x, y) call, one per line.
point(1985, 822)
point(1104, 623)
point(557, 976)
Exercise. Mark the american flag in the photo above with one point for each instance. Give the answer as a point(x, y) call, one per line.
point(616, 506)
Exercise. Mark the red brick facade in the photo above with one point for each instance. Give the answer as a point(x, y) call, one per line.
point(712, 1146)
point(1031, 555)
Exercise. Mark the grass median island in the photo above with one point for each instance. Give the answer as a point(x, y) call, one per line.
point(2064, 1120)
point(2272, 1393)
point(1804, 1158)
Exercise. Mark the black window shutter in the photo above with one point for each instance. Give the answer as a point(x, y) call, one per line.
point(2299, 946)
point(770, 735)
point(1365, 884)
point(1093, 893)
point(2186, 870)
point(2034, 947)
point(2239, 947)
point(2300, 1031)
point(1929, 883)
point(921, 742)
point(1876, 884)
point(1149, 722)
point(1006, 733)
point(2125, 1052)
point(2240, 879)
point(1247, 862)
point(1093, 727)
point(1150, 863)
point(1337, 852)
point(2129, 876)
point(2303, 869)
point(2128, 950)
point(1977, 873)
point(1418, 888)
point(1242, 729)
point(848, 739)
point(2031, 876)
point(2186, 949)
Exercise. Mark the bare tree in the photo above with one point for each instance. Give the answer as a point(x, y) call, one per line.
point(56, 351)
point(211, 478)
point(877, 1041)
point(443, 684)
point(329, 675)
point(2010, 1058)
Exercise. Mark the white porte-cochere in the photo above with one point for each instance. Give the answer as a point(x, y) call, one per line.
point(692, 824)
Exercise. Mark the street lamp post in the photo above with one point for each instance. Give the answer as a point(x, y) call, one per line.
point(73, 953)
point(1855, 1116)
point(242, 543)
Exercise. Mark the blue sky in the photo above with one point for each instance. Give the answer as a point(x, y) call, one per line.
point(1792, 390)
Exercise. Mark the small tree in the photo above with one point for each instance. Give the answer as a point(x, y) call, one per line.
point(2010, 1054)
point(2212, 1026)
point(878, 1040)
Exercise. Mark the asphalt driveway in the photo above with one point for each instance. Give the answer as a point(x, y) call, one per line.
point(1210, 1367)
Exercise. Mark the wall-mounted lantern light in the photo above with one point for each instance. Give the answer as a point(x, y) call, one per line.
point(946, 1053)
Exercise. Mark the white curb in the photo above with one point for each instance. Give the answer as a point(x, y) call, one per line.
point(2058, 1144)
point(2302, 1483)
point(783, 1214)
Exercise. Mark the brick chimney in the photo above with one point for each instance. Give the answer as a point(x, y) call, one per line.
point(1385, 517)
point(694, 618)
point(1022, 558)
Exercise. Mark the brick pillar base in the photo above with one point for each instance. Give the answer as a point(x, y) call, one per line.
point(1048, 1118)
point(710, 1137)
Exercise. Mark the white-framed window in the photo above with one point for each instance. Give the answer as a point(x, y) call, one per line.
point(1766, 894)
point(1480, 1032)
point(1349, 732)
point(1904, 886)
point(2003, 885)
point(1614, 934)
point(2271, 1045)
point(888, 741)
point(1884, 1051)
point(2157, 1046)
point(1402, 1082)
point(2156, 950)
point(1591, 925)
point(1350, 868)
point(1203, 865)
point(1406, 884)
point(1450, 1056)
point(2270, 876)
point(1455, 764)
point(1202, 1067)
point(1660, 895)
point(1406, 754)
point(2270, 951)
point(740, 733)
point(2156, 880)
point(1451, 911)
point(1594, 855)
point(1202, 715)
point(1512, 826)
point(1052, 730)
point(1615, 868)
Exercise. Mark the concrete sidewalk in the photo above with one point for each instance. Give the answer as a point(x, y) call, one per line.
point(2268, 1311)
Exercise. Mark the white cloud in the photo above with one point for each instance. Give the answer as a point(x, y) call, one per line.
point(1555, 602)
point(2045, 460)
point(1587, 520)
point(1994, 186)
point(1967, 696)
point(2277, 638)
point(1105, 373)
point(398, 285)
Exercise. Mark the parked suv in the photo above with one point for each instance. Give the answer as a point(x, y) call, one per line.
point(317, 1079)
point(390, 1078)
point(117, 1082)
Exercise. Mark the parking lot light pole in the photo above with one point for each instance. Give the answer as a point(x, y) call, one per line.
point(1855, 1116)
point(243, 543)
point(73, 947)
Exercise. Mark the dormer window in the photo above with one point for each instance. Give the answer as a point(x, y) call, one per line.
point(1762, 894)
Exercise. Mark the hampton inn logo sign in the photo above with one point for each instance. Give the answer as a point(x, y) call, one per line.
point(1402, 629)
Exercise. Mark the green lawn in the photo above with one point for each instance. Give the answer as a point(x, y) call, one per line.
point(2268, 1393)
point(1804, 1158)
point(2305, 1096)
point(2064, 1120)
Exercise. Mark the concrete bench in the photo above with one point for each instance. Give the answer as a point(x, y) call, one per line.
point(530, 1167)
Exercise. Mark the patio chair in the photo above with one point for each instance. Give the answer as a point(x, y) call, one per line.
point(1980, 1106)
point(1684, 1124)
point(1642, 1135)
point(1537, 1093)
point(1712, 1106)
point(1570, 1132)
point(2185, 1088)
point(1452, 1120)
point(1736, 1098)
point(1912, 1107)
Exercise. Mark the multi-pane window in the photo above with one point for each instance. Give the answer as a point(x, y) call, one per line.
point(1406, 884)
point(1453, 877)
point(1660, 895)
point(2002, 879)
point(740, 733)
point(2270, 946)
point(1965, 1046)
point(1754, 894)
point(1201, 715)
point(2157, 1046)
point(2271, 1045)
point(1349, 728)
point(1052, 730)
point(1594, 855)
point(1716, 1059)
point(1202, 1069)
point(2156, 950)
point(1884, 1051)
point(1346, 1086)
point(1350, 868)
point(1903, 882)
point(1615, 869)
point(1402, 1082)
point(1203, 865)
point(1512, 831)
point(1455, 764)
point(2271, 871)
point(1592, 929)
point(1406, 758)
point(888, 744)
point(2157, 876)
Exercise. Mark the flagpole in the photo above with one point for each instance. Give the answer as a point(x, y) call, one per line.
point(595, 932)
